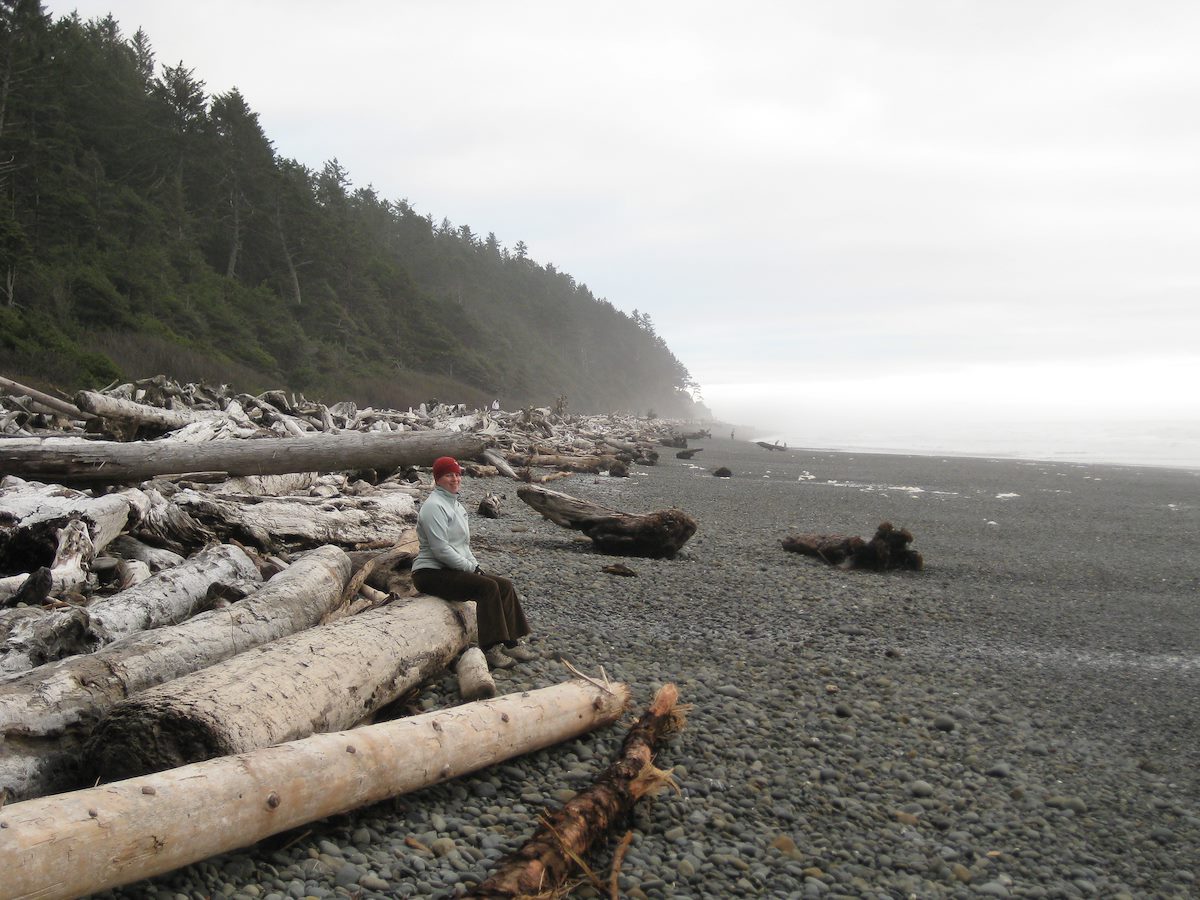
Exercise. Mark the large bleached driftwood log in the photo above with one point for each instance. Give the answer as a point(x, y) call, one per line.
point(175, 594)
point(323, 679)
point(73, 844)
point(656, 535)
point(547, 859)
point(118, 409)
point(47, 712)
point(107, 462)
point(310, 521)
point(168, 597)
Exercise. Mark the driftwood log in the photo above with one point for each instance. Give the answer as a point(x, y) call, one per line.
point(774, 446)
point(888, 549)
point(542, 866)
point(656, 535)
point(47, 712)
point(129, 411)
point(474, 677)
point(79, 843)
point(53, 404)
point(688, 454)
point(44, 635)
point(587, 464)
point(73, 460)
point(385, 516)
point(322, 679)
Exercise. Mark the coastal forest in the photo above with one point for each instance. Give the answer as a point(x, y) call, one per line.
point(149, 226)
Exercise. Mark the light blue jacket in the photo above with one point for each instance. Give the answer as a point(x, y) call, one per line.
point(443, 533)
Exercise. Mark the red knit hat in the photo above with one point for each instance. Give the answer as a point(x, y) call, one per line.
point(444, 465)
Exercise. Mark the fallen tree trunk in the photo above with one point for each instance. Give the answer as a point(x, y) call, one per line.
point(131, 412)
point(174, 594)
point(62, 407)
point(79, 843)
point(543, 864)
point(46, 713)
point(109, 462)
point(655, 535)
point(323, 679)
point(587, 464)
point(311, 521)
point(493, 458)
point(166, 598)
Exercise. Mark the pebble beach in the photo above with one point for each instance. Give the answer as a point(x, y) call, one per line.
point(1020, 719)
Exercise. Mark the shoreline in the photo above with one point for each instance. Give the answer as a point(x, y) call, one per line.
point(1008, 456)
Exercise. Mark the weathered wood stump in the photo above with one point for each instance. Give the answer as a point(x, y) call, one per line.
point(888, 549)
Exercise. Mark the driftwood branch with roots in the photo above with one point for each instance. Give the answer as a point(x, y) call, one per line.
point(655, 535)
point(888, 549)
point(553, 854)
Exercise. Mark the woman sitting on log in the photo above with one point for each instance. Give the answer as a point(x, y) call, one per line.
point(446, 568)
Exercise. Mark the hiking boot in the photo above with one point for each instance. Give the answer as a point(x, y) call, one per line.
point(496, 659)
point(521, 653)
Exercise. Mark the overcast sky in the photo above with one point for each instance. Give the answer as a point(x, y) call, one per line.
point(977, 210)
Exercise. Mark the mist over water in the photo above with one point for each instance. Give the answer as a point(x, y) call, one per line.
point(1152, 443)
point(1137, 413)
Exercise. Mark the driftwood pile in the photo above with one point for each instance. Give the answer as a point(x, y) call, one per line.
point(888, 549)
point(190, 576)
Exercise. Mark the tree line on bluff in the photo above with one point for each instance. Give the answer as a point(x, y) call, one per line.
point(146, 225)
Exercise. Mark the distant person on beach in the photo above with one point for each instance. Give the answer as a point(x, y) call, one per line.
point(731, 434)
point(445, 567)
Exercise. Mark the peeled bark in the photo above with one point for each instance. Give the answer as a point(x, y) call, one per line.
point(655, 535)
point(47, 712)
point(108, 462)
point(323, 679)
point(549, 857)
point(73, 844)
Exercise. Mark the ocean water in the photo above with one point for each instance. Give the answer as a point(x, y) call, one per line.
point(1148, 443)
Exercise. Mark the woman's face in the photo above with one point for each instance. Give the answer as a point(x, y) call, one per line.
point(451, 481)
